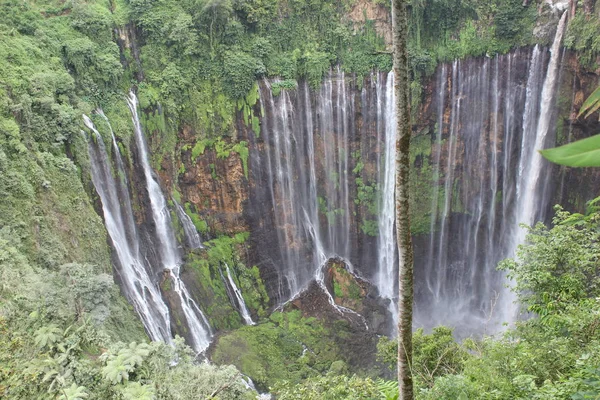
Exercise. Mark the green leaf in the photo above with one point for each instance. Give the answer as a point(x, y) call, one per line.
point(591, 104)
point(582, 153)
point(47, 336)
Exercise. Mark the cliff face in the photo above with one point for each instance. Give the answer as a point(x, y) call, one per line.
point(215, 186)
point(315, 173)
point(364, 12)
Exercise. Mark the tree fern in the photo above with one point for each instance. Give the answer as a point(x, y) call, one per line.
point(119, 367)
point(73, 392)
point(137, 391)
point(387, 389)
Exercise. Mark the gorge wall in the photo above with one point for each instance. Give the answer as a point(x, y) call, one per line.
point(316, 168)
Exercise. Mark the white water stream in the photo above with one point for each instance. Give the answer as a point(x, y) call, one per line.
point(132, 270)
point(199, 328)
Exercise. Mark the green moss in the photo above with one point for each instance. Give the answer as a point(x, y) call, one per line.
point(256, 126)
point(253, 290)
point(337, 289)
point(166, 285)
point(252, 96)
point(344, 284)
point(330, 213)
point(222, 149)
point(370, 227)
point(199, 223)
point(163, 139)
point(582, 36)
point(288, 84)
point(422, 183)
point(242, 149)
point(211, 111)
point(246, 104)
point(176, 195)
point(367, 195)
point(213, 294)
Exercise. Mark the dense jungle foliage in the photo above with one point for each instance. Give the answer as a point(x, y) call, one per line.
point(66, 332)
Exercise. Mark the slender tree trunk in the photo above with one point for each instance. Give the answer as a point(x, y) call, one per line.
point(405, 275)
point(588, 8)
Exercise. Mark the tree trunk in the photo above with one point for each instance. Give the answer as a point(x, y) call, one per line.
point(405, 275)
point(588, 8)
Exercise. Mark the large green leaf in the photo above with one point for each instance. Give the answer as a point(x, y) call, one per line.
point(582, 153)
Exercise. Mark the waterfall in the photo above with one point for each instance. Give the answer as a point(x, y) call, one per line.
point(530, 175)
point(486, 174)
point(133, 272)
point(199, 328)
point(387, 266)
point(530, 190)
point(306, 159)
point(239, 300)
point(491, 115)
point(456, 281)
point(189, 229)
point(441, 95)
point(311, 212)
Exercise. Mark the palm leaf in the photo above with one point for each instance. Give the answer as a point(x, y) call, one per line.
point(591, 104)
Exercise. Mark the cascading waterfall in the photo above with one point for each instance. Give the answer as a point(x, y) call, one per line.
point(530, 174)
point(238, 299)
point(486, 174)
point(387, 248)
point(302, 135)
point(133, 272)
point(199, 328)
point(529, 192)
point(311, 212)
point(492, 114)
point(441, 82)
point(457, 284)
point(189, 229)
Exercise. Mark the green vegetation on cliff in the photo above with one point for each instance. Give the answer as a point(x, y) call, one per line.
point(54, 259)
point(208, 54)
point(208, 269)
